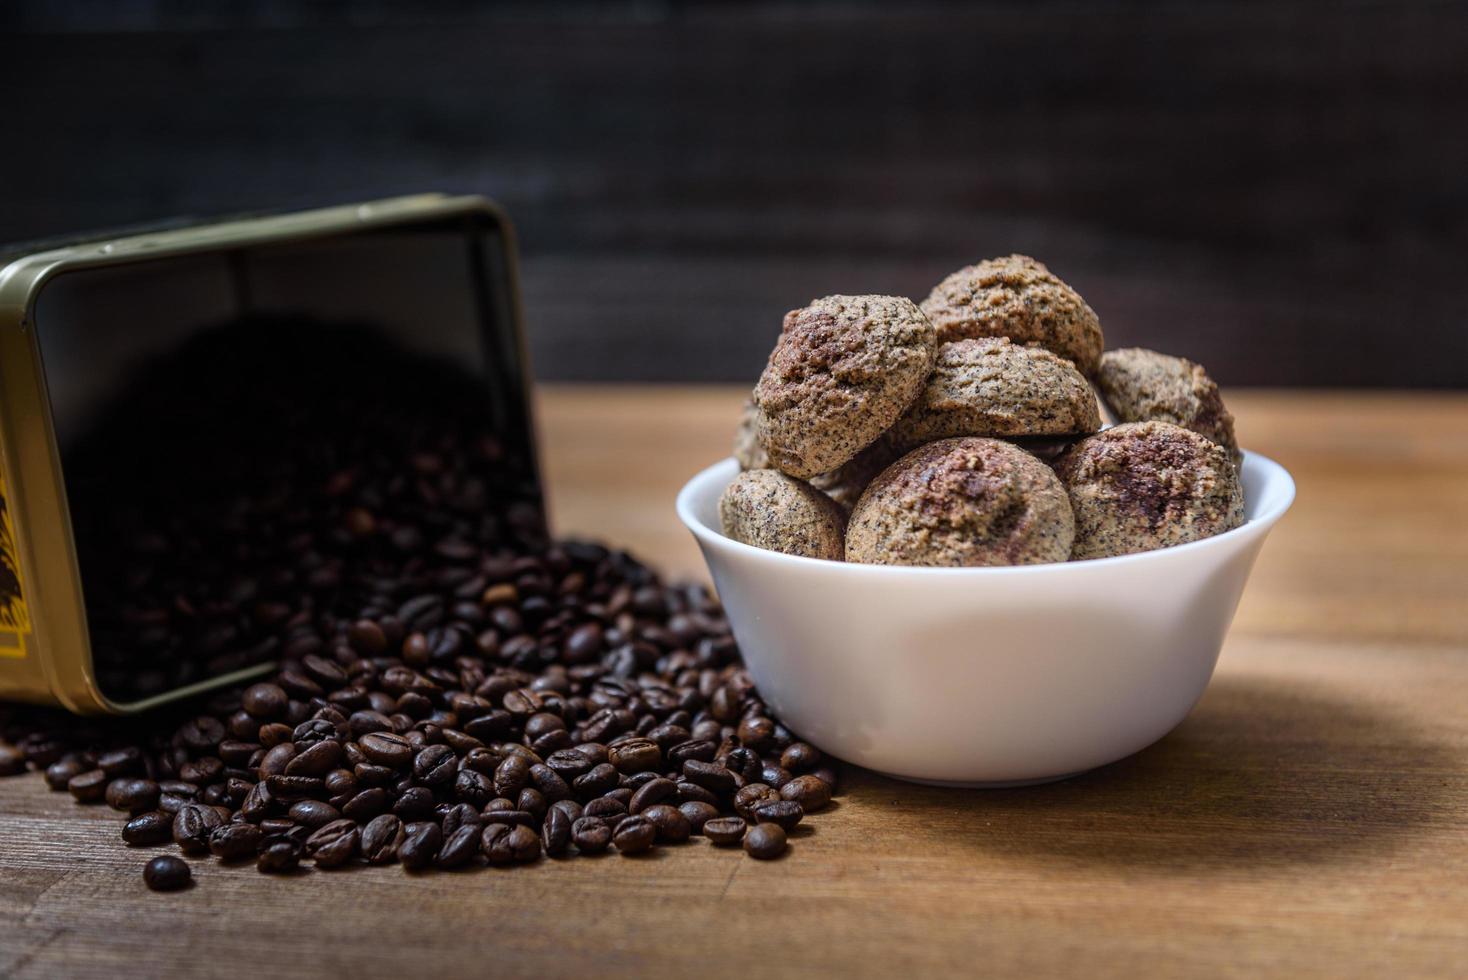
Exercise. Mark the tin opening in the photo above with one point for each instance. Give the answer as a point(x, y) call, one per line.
point(256, 438)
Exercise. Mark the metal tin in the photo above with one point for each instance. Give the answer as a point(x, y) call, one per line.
point(398, 255)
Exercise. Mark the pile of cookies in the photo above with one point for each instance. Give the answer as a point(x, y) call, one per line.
point(967, 431)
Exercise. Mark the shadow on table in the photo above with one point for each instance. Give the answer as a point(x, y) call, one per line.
point(1255, 774)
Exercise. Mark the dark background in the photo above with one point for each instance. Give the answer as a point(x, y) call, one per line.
point(1278, 190)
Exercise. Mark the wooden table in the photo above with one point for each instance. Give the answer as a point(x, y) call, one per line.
point(1309, 819)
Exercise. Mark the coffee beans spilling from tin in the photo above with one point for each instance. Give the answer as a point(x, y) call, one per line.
point(565, 703)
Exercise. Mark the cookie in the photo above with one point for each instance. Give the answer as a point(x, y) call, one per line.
point(966, 501)
point(1018, 298)
point(1146, 485)
point(991, 387)
point(1143, 386)
point(747, 450)
point(767, 509)
point(845, 483)
point(844, 369)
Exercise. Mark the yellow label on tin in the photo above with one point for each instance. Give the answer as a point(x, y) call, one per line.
point(15, 618)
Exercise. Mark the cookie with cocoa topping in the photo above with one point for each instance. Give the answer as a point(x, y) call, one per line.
point(1019, 298)
point(1146, 485)
point(747, 450)
point(843, 484)
point(991, 387)
point(767, 509)
point(1142, 385)
point(967, 501)
point(844, 369)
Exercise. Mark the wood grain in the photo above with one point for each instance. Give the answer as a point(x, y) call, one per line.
point(1310, 819)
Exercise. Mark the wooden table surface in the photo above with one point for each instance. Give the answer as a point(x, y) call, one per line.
point(1309, 819)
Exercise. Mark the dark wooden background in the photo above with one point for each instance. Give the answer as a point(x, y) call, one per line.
point(1277, 189)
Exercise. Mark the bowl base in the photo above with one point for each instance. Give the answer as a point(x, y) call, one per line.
point(985, 784)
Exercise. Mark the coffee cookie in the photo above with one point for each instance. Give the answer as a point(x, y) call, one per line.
point(1143, 386)
point(747, 450)
point(991, 387)
point(1016, 297)
point(767, 509)
point(963, 501)
point(1147, 485)
point(841, 373)
point(845, 483)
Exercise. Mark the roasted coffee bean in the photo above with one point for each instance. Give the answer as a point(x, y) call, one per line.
point(510, 817)
point(634, 835)
point(827, 774)
point(59, 773)
point(591, 835)
point(653, 791)
point(277, 759)
point(698, 749)
point(279, 855)
point(381, 838)
point(555, 833)
point(725, 830)
point(416, 803)
point(257, 803)
point(752, 796)
point(765, 841)
point(148, 829)
point(710, 775)
point(635, 755)
point(333, 844)
point(511, 775)
point(459, 847)
point(89, 787)
point(504, 844)
point(295, 787)
point(671, 825)
point(121, 762)
point(367, 804)
point(314, 813)
point(166, 873)
point(549, 783)
point(811, 792)
point(698, 813)
point(786, 813)
point(460, 815)
point(694, 793)
point(192, 825)
point(533, 801)
point(435, 765)
point(265, 701)
point(317, 759)
point(235, 841)
point(386, 749)
point(800, 756)
point(598, 780)
point(757, 732)
point(421, 843)
point(132, 795)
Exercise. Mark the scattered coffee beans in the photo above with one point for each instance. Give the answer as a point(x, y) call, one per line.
point(166, 873)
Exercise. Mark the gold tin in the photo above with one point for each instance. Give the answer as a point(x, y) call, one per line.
point(427, 258)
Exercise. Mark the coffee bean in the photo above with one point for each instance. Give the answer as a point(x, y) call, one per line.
point(59, 773)
point(89, 787)
point(279, 855)
point(634, 835)
point(421, 843)
point(725, 830)
point(367, 804)
point(555, 833)
point(12, 760)
point(315, 760)
point(765, 841)
point(235, 841)
point(752, 796)
point(166, 873)
point(333, 844)
point(192, 826)
point(459, 847)
point(265, 701)
point(435, 765)
point(121, 762)
point(786, 813)
point(314, 813)
point(387, 749)
point(653, 791)
point(132, 795)
point(416, 803)
point(148, 829)
point(698, 813)
point(381, 839)
point(635, 755)
point(811, 792)
point(591, 835)
point(671, 825)
point(711, 776)
point(800, 756)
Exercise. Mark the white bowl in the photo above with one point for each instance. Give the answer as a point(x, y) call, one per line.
point(984, 676)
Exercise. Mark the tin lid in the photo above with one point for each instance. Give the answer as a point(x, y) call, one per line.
point(435, 274)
